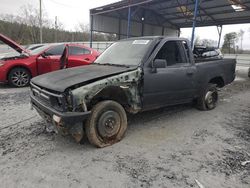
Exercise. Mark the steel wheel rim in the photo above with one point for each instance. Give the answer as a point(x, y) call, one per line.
point(20, 78)
point(211, 99)
point(108, 124)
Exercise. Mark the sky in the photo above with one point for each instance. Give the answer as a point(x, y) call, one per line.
point(72, 13)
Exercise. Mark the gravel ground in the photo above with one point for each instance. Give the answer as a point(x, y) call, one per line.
point(171, 147)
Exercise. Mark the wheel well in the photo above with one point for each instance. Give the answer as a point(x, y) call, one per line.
point(18, 67)
point(114, 93)
point(218, 81)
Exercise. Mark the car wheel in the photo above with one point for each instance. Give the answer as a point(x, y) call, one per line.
point(19, 77)
point(208, 99)
point(107, 124)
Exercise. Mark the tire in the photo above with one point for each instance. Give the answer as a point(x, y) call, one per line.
point(107, 124)
point(19, 77)
point(249, 72)
point(208, 99)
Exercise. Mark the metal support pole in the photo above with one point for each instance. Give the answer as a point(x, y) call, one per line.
point(219, 32)
point(142, 22)
point(40, 22)
point(119, 29)
point(162, 31)
point(56, 27)
point(194, 22)
point(142, 28)
point(91, 31)
point(129, 19)
point(179, 32)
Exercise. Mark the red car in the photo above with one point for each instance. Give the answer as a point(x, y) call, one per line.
point(17, 69)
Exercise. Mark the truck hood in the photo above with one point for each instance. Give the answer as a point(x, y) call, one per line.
point(13, 44)
point(61, 80)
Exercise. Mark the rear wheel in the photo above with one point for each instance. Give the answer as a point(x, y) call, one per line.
point(107, 123)
point(19, 77)
point(208, 99)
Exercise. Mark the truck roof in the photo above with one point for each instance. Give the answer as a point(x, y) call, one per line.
point(154, 38)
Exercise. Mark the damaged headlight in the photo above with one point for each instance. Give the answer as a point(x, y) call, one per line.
point(69, 101)
point(59, 101)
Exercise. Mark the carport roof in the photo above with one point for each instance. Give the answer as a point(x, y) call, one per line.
point(179, 13)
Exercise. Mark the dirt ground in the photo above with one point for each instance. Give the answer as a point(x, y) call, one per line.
point(169, 147)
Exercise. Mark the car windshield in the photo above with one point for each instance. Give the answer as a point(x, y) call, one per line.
point(39, 50)
point(129, 52)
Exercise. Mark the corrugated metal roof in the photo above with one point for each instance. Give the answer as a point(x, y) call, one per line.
point(179, 13)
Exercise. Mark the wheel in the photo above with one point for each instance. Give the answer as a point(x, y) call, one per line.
point(208, 99)
point(249, 72)
point(107, 124)
point(19, 77)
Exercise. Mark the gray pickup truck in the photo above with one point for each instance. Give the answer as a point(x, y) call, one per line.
point(131, 76)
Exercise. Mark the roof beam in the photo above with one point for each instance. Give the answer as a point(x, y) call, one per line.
point(241, 20)
point(207, 8)
point(216, 13)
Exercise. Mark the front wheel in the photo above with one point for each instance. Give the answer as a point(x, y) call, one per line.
point(208, 98)
point(107, 123)
point(19, 77)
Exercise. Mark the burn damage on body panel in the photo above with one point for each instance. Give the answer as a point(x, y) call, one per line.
point(123, 88)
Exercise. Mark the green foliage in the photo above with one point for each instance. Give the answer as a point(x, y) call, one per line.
point(25, 34)
point(230, 40)
point(24, 29)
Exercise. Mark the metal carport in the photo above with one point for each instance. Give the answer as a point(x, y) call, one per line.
point(137, 17)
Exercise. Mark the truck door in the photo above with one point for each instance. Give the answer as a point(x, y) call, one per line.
point(50, 60)
point(171, 83)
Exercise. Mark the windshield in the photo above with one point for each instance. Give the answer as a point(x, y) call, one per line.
point(125, 52)
point(39, 50)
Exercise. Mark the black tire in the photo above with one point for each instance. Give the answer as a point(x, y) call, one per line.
point(208, 98)
point(107, 124)
point(19, 77)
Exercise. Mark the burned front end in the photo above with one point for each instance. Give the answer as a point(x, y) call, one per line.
point(55, 109)
point(68, 110)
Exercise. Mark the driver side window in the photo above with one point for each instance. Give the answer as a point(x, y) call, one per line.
point(172, 52)
point(55, 50)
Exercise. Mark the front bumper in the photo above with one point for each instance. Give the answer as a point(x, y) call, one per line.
point(64, 117)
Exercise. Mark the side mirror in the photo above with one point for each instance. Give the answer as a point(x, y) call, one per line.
point(44, 55)
point(158, 63)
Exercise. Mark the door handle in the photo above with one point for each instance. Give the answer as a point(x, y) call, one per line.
point(87, 59)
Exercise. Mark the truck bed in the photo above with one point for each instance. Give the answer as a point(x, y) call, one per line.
point(225, 68)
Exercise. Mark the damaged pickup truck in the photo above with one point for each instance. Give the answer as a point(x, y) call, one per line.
point(131, 76)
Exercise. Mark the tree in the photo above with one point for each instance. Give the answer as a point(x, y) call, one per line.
point(25, 26)
point(30, 16)
point(241, 35)
point(230, 40)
